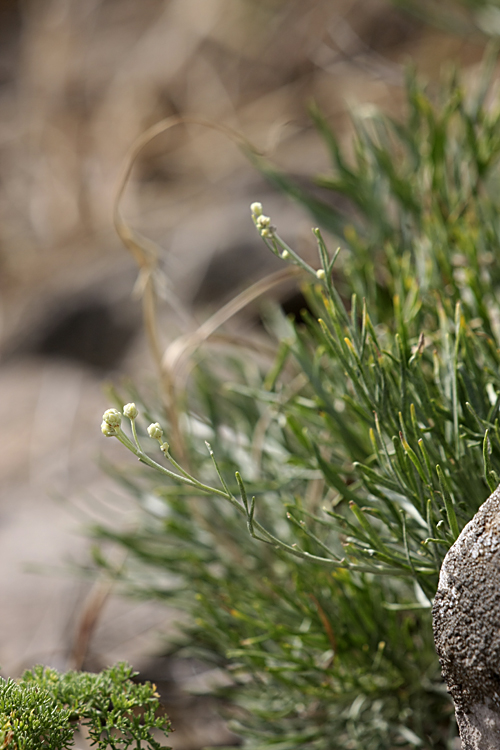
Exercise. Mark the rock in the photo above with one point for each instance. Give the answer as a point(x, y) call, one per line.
point(466, 622)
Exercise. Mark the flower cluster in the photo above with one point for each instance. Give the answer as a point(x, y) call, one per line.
point(262, 222)
point(111, 422)
point(111, 426)
point(282, 250)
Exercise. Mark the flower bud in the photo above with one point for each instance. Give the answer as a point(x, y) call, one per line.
point(320, 273)
point(263, 221)
point(108, 430)
point(155, 431)
point(285, 255)
point(256, 209)
point(130, 411)
point(112, 417)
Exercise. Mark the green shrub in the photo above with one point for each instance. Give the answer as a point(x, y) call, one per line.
point(307, 546)
point(43, 710)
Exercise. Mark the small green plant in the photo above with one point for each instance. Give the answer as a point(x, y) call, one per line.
point(43, 710)
point(307, 544)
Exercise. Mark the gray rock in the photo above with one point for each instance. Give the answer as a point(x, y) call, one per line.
point(466, 621)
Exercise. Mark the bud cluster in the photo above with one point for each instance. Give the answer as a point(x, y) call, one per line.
point(262, 222)
point(111, 422)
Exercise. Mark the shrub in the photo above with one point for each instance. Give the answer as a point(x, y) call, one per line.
point(44, 709)
point(306, 545)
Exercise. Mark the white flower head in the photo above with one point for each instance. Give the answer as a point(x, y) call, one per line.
point(256, 209)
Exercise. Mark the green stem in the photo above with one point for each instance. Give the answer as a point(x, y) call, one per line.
point(134, 433)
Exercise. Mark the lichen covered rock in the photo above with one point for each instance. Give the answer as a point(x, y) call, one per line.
point(466, 621)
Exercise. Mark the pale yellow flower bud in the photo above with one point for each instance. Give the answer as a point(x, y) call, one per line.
point(112, 417)
point(108, 430)
point(256, 209)
point(130, 411)
point(263, 221)
point(155, 431)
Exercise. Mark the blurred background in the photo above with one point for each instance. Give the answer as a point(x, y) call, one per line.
point(79, 81)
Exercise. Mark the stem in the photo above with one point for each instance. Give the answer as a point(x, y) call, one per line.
point(185, 478)
point(134, 433)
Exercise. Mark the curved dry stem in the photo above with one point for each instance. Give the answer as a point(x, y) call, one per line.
point(234, 341)
point(146, 253)
point(187, 344)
